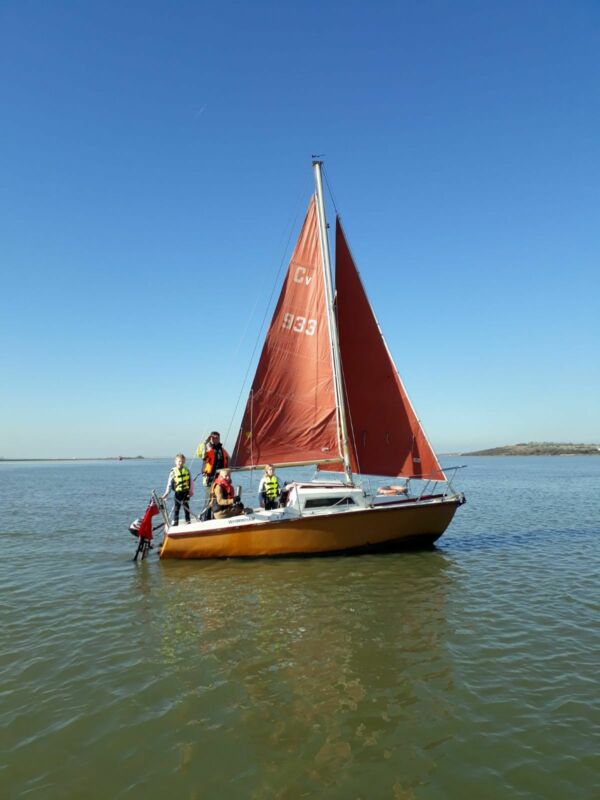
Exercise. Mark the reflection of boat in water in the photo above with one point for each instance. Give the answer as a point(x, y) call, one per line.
point(327, 392)
point(356, 663)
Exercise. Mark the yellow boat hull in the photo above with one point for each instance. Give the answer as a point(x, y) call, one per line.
point(370, 529)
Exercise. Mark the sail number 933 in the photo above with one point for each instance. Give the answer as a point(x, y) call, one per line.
point(298, 324)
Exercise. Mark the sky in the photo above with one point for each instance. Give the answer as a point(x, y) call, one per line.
point(156, 164)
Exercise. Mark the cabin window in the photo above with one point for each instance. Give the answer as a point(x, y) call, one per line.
point(324, 502)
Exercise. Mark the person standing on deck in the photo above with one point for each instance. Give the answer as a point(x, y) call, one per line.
point(215, 458)
point(180, 481)
point(269, 489)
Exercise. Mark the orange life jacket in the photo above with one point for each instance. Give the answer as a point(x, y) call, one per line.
point(228, 491)
point(227, 487)
point(210, 459)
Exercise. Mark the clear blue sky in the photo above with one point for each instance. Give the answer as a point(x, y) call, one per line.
point(155, 154)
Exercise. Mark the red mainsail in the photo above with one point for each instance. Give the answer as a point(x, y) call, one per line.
point(291, 414)
point(385, 436)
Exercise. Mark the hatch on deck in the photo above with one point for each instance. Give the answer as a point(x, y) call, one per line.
point(313, 498)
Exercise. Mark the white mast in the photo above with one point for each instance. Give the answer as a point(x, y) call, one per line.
point(333, 331)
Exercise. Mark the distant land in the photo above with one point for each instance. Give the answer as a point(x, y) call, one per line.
point(105, 458)
point(540, 449)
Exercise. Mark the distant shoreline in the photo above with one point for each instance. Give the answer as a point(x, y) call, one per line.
point(98, 458)
point(540, 449)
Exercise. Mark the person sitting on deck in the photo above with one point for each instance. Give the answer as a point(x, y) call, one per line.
point(225, 502)
point(269, 489)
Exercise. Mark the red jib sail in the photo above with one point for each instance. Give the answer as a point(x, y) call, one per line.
point(291, 414)
point(385, 435)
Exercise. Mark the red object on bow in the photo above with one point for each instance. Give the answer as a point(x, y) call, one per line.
point(145, 529)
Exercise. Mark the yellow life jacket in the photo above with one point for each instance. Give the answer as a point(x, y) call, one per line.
point(181, 479)
point(271, 487)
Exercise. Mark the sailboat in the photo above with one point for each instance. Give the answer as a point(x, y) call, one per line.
point(327, 393)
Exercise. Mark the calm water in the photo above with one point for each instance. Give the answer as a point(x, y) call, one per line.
point(467, 670)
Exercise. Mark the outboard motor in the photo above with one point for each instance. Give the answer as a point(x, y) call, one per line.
point(143, 528)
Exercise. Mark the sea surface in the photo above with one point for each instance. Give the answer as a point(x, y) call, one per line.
point(467, 670)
